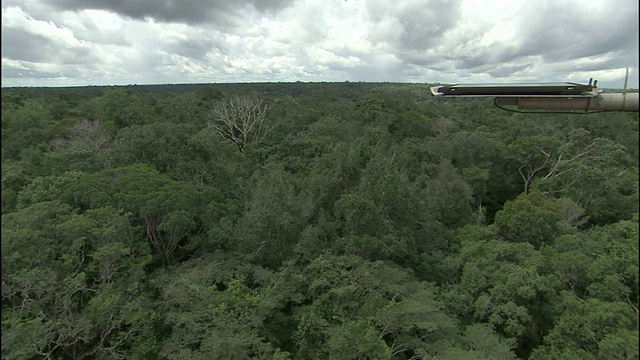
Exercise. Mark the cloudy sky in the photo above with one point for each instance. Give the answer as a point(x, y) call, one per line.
point(122, 42)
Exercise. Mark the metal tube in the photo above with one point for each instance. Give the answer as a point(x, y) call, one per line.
point(602, 102)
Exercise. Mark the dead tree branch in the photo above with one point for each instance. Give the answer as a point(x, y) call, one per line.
point(240, 120)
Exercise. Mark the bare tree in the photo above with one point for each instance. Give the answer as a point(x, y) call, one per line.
point(91, 136)
point(241, 120)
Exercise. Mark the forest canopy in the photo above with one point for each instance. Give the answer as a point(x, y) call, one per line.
point(316, 221)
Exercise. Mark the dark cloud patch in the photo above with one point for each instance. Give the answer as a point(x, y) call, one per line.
point(422, 59)
point(269, 5)
point(91, 32)
point(467, 56)
point(7, 3)
point(420, 24)
point(504, 70)
point(424, 24)
point(17, 73)
point(366, 73)
point(218, 13)
point(478, 62)
point(578, 37)
point(19, 44)
point(13, 73)
point(473, 56)
point(615, 61)
point(31, 71)
point(561, 31)
point(196, 47)
point(414, 28)
point(470, 61)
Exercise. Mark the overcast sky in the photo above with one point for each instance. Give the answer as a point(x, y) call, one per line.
point(122, 42)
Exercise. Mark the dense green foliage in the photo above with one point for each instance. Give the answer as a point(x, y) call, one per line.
point(373, 221)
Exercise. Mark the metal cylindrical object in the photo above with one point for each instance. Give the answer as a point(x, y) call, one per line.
point(602, 102)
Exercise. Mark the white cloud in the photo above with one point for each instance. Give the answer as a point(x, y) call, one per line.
point(325, 57)
point(15, 17)
point(311, 40)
